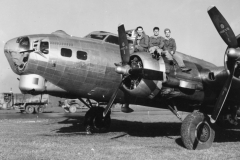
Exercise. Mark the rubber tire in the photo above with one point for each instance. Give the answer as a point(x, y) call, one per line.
point(39, 109)
point(189, 135)
point(29, 109)
point(73, 108)
point(94, 120)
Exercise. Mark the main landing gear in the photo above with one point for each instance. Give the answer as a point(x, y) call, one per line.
point(196, 131)
point(95, 121)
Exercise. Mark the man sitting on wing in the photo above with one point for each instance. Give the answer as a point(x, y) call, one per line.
point(141, 41)
point(170, 49)
point(156, 43)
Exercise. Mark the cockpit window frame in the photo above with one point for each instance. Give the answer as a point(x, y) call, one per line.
point(129, 40)
point(93, 36)
point(44, 50)
point(109, 37)
point(106, 35)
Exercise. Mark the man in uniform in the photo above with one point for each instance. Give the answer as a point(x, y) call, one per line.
point(156, 43)
point(170, 49)
point(141, 41)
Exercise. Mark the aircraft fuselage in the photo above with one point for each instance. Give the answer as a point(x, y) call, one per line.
point(85, 67)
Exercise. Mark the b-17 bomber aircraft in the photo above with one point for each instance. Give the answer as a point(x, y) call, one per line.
point(93, 67)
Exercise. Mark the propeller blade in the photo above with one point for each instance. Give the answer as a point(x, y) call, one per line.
point(223, 95)
point(123, 44)
point(238, 40)
point(109, 105)
point(222, 26)
point(147, 73)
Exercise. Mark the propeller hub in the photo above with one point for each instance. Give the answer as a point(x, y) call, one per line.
point(122, 69)
point(233, 54)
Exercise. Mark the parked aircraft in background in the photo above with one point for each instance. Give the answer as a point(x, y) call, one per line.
point(84, 68)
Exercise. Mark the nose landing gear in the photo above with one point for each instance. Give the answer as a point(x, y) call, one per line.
point(95, 122)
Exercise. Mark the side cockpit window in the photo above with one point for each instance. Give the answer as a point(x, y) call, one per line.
point(41, 46)
point(66, 52)
point(112, 39)
point(44, 47)
point(81, 55)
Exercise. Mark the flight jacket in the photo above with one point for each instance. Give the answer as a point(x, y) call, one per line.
point(159, 41)
point(143, 41)
point(169, 45)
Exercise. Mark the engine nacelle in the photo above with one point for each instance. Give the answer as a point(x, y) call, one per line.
point(136, 86)
point(31, 82)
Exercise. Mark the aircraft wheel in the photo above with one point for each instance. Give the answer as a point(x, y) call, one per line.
point(73, 108)
point(196, 131)
point(94, 121)
point(39, 109)
point(30, 109)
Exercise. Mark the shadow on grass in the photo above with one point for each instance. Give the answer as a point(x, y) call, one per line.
point(180, 142)
point(132, 128)
point(139, 129)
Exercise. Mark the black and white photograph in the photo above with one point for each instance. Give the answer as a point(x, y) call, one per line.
point(120, 80)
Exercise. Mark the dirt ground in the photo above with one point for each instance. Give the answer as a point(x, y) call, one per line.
point(144, 134)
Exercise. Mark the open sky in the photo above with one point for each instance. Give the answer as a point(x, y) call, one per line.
point(188, 20)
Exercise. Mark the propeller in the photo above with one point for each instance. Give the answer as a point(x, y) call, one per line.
point(112, 100)
point(126, 70)
point(140, 72)
point(222, 26)
point(223, 95)
point(232, 54)
point(123, 44)
point(125, 56)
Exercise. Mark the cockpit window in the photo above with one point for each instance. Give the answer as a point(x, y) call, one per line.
point(96, 36)
point(112, 39)
point(44, 47)
point(66, 52)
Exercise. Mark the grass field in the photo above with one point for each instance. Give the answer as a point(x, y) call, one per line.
point(141, 135)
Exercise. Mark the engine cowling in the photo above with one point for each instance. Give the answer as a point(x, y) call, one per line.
point(139, 87)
